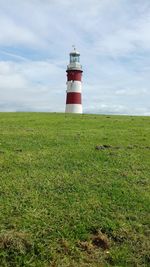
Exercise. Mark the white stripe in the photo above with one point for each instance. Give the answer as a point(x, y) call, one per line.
point(73, 108)
point(74, 86)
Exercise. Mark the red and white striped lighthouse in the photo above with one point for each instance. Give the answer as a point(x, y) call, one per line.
point(74, 85)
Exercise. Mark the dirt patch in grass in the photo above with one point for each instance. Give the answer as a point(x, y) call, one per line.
point(18, 150)
point(97, 240)
point(100, 240)
point(86, 246)
point(15, 241)
point(103, 147)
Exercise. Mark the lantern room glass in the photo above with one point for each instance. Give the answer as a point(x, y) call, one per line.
point(74, 58)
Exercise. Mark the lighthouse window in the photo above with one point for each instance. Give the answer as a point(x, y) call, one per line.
point(74, 58)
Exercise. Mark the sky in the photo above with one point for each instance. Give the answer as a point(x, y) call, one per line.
point(112, 36)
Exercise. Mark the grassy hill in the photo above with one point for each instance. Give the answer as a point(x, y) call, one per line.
point(74, 190)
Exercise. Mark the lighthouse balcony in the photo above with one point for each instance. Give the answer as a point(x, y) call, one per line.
point(74, 66)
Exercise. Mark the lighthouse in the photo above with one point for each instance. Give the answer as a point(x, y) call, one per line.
point(74, 84)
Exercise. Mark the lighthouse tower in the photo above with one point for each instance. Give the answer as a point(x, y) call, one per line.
point(74, 85)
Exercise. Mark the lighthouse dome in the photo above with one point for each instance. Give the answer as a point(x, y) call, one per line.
point(74, 52)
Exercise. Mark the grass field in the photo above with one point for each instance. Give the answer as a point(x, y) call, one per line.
point(74, 190)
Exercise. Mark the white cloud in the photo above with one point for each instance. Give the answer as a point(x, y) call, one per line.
point(12, 33)
point(31, 86)
point(133, 92)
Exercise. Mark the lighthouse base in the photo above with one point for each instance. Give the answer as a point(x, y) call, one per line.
point(74, 108)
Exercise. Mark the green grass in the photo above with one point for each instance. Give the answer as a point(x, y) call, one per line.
point(58, 193)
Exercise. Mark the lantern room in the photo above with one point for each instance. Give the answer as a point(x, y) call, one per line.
point(74, 63)
point(74, 57)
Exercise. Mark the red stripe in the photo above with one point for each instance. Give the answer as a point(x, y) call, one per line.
point(74, 75)
point(73, 98)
